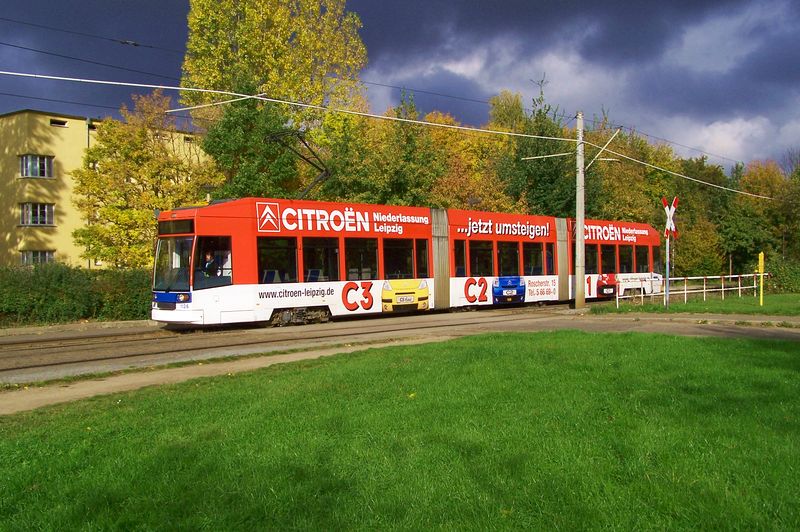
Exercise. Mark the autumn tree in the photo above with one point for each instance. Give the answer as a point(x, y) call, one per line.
point(697, 250)
point(626, 190)
point(765, 178)
point(137, 166)
point(470, 178)
point(305, 50)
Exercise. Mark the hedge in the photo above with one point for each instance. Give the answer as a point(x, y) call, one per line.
point(56, 293)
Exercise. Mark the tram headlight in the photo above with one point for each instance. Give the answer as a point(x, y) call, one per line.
point(422, 285)
point(184, 298)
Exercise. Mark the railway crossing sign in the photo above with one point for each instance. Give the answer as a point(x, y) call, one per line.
point(669, 229)
point(670, 210)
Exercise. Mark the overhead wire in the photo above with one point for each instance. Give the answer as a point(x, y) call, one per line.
point(370, 115)
point(677, 174)
point(562, 115)
point(127, 42)
point(88, 61)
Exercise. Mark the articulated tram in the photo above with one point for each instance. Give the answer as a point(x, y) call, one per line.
point(294, 261)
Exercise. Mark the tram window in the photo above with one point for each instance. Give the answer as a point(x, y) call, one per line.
point(172, 263)
point(625, 259)
point(508, 258)
point(398, 258)
point(642, 262)
point(460, 254)
point(608, 258)
point(277, 260)
point(216, 269)
point(361, 258)
point(591, 259)
point(549, 255)
point(480, 258)
point(532, 258)
point(657, 268)
point(422, 258)
point(321, 259)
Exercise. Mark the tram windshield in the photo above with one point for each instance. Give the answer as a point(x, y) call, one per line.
point(172, 266)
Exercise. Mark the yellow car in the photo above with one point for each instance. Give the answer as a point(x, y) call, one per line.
point(404, 295)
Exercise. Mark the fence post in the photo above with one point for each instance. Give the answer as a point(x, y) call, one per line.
point(685, 288)
point(704, 288)
point(722, 279)
point(616, 293)
point(740, 285)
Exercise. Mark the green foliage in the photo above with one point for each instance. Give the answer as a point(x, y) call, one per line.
point(46, 293)
point(697, 250)
point(547, 186)
point(406, 164)
point(251, 145)
point(123, 294)
point(784, 274)
point(56, 293)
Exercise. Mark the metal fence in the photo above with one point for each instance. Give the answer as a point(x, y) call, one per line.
point(683, 287)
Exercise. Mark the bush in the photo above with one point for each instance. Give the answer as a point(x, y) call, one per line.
point(124, 294)
point(56, 293)
point(784, 275)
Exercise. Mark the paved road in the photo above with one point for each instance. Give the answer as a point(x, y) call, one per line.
point(728, 326)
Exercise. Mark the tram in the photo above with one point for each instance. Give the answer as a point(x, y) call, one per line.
point(296, 261)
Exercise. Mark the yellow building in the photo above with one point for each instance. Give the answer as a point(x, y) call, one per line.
point(37, 153)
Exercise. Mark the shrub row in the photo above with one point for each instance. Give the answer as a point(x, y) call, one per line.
point(56, 293)
point(784, 275)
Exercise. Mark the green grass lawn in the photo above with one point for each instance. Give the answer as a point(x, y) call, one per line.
point(550, 430)
point(774, 305)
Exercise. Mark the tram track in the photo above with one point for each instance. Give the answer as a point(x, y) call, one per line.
point(92, 350)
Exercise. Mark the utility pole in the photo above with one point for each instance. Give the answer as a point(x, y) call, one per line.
point(580, 250)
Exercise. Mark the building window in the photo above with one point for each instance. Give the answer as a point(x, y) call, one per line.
point(55, 122)
point(37, 214)
point(30, 257)
point(36, 166)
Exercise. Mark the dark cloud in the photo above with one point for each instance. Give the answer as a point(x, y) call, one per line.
point(777, 62)
point(615, 33)
point(647, 61)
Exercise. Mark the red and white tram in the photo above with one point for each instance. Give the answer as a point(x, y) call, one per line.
point(292, 261)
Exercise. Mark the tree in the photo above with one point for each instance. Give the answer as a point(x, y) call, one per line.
point(765, 178)
point(251, 144)
point(137, 166)
point(305, 50)
point(404, 163)
point(547, 186)
point(470, 178)
point(697, 250)
point(506, 112)
point(342, 141)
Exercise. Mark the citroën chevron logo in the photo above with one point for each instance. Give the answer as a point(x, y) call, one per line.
point(268, 217)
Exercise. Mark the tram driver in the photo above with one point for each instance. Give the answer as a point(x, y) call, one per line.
point(210, 266)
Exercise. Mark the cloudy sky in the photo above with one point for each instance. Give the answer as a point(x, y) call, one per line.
point(722, 76)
